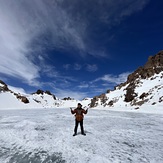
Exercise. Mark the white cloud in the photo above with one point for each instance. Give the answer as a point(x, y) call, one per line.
point(13, 47)
point(117, 79)
point(81, 86)
point(28, 26)
point(17, 89)
point(22, 23)
point(61, 93)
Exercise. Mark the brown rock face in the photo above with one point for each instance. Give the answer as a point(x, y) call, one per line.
point(4, 87)
point(93, 101)
point(3, 83)
point(130, 95)
point(143, 95)
point(155, 61)
point(68, 98)
point(23, 99)
point(102, 98)
point(153, 66)
point(39, 91)
point(49, 93)
point(111, 103)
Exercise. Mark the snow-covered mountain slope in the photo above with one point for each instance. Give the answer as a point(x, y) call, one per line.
point(12, 97)
point(147, 92)
point(143, 87)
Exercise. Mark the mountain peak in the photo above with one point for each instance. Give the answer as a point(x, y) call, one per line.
point(155, 61)
point(154, 65)
point(3, 86)
point(39, 91)
point(134, 91)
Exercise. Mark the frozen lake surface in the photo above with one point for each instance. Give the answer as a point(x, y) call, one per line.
point(45, 136)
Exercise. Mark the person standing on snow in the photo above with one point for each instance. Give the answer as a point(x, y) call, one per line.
point(79, 118)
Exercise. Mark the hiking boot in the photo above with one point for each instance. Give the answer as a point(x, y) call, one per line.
point(84, 134)
point(74, 134)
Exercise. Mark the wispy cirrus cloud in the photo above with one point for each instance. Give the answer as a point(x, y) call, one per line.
point(29, 27)
point(26, 23)
point(62, 93)
point(115, 79)
point(103, 83)
point(83, 85)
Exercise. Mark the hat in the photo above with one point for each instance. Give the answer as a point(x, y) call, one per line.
point(80, 104)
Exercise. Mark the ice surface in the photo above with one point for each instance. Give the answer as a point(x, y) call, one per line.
point(45, 136)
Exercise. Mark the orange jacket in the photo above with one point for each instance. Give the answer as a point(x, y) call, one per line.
point(79, 113)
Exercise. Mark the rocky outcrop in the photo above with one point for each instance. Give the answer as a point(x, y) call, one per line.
point(153, 66)
point(102, 99)
point(93, 102)
point(130, 94)
point(68, 98)
point(49, 93)
point(39, 91)
point(108, 91)
point(111, 103)
point(3, 83)
point(143, 95)
point(23, 99)
point(155, 61)
point(4, 87)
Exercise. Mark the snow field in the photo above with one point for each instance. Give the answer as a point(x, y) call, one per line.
point(45, 135)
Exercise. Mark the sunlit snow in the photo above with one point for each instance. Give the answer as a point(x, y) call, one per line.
point(45, 136)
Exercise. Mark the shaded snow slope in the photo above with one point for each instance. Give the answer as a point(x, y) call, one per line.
point(45, 135)
point(9, 100)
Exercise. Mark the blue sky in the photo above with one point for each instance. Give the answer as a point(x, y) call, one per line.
point(76, 48)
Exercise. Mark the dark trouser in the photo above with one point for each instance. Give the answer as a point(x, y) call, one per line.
point(76, 126)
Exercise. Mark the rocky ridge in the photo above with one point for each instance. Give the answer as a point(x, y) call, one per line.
point(38, 99)
point(149, 71)
point(37, 96)
point(4, 88)
point(143, 86)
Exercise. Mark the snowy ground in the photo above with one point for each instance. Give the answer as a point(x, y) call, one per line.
point(45, 136)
